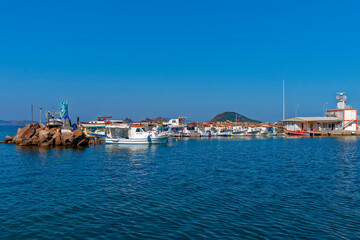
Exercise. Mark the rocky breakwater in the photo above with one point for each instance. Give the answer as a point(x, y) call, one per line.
point(36, 135)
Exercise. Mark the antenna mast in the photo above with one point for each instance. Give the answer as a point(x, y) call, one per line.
point(283, 96)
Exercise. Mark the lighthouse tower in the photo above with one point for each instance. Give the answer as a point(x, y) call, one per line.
point(341, 101)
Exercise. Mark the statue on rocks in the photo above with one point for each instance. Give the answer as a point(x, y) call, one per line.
point(64, 112)
point(64, 115)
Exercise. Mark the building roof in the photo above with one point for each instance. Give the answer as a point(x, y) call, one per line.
point(313, 119)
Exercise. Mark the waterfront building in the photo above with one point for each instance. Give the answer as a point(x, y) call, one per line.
point(343, 118)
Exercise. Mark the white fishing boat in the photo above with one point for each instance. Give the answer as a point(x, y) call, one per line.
point(127, 134)
point(52, 121)
point(252, 132)
point(224, 134)
point(190, 131)
point(223, 131)
point(176, 127)
point(95, 128)
point(264, 131)
point(238, 133)
point(205, 133)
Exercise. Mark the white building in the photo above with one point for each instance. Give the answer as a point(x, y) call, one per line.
point(342, 118)
point(346, 113)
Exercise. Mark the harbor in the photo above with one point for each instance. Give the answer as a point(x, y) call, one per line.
point(342, 121)
point(179, 120)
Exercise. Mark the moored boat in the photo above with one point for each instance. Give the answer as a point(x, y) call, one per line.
point(52, 122)
point(126, 134)
point(95, 128)
point(238, 133)
point(298, 133)
point(206, 133)
point(252, 132)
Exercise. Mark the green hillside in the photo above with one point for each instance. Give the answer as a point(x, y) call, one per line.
point(232, 117)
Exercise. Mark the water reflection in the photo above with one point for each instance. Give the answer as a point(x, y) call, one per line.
point(257, 189)
point(347, 139)
point(130, 148)
point(37, 149)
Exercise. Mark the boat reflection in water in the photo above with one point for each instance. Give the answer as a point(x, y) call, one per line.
point(132, 152)
point(129, 147)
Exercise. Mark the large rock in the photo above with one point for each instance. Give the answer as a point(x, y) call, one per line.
point(25, 133)
point(28, 131)
point(45, 144)
point(34, 134)
point(83, 142)
point(38, 131)
point(78, 136)
point(8, 139)
point(45, 135)
point(24, 143)
point(66, 138)
point(34, 141)
point(56, 139)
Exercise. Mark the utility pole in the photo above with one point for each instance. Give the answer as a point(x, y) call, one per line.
point(296, 106)
point(40, 115)
point(31, 113)
point(324, 108)
point(284, 96)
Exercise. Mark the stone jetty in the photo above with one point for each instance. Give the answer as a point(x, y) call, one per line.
point(38, 135)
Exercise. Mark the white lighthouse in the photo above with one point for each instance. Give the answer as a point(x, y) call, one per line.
point(341, 101)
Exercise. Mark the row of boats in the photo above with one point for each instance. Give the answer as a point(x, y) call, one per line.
point(120, 132)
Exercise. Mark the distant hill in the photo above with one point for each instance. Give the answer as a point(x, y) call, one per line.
point(157, 119)
point(14, 122)
point(128, 120)
point(232, 117)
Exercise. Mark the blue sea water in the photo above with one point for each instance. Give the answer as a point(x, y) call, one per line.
point(302, 188)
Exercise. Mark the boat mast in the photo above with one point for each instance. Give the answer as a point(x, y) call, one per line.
point(283, 97)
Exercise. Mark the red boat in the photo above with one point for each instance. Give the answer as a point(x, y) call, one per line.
point(299, 133)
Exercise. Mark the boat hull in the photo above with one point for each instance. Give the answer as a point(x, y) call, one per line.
point(299, 133)
point(159, 140)
point(137, 141)
point(205, 135)
point(252, 133)
point(228, 134)
point(54, 123)
point(96, 135)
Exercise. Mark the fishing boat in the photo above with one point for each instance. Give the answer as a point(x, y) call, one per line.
point(223, 132)
point(190, 131)
point(252, 132)
point(127, 134)
point(237, 134)
point(53, 122)
point(205, 133)
point(298, 133)
point(176, 127)
point(265, 131)
point(95, 128)
point(238, 131)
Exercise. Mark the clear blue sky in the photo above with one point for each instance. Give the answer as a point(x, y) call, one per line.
point(142, 59)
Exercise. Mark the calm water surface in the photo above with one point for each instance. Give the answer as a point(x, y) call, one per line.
point(305, 188)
